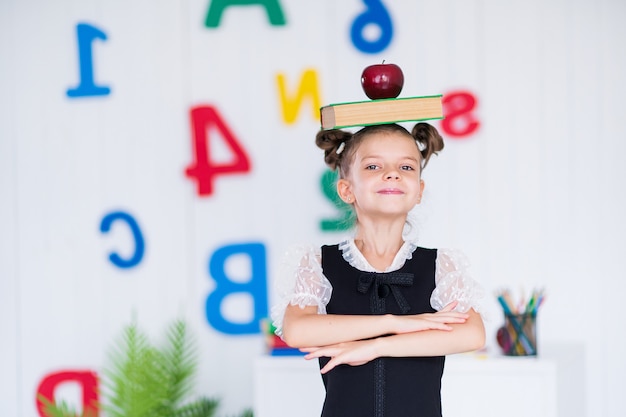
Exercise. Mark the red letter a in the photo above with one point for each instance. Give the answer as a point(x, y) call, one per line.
point(88, 380)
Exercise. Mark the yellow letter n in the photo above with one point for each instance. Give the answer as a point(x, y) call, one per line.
point(308, 88)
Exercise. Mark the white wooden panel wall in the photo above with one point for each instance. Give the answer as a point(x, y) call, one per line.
point(535, 197)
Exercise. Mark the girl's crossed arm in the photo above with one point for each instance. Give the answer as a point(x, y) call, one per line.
point(463, 337)
point(304, 327)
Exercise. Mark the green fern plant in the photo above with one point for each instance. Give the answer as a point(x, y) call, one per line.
point(61, 409)
point(143, 380)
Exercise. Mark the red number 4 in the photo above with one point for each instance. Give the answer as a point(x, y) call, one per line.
point(204, 169)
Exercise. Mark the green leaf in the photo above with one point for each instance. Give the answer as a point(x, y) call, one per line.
point(131, 381)
point(247, 413)
point(143, 380)
point(62, 409)
point(204, 407)
point(180, 358)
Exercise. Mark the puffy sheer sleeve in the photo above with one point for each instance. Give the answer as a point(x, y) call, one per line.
point(454, 283)
point(300, 282)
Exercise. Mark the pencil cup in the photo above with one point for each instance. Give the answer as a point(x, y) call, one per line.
point(518, 336)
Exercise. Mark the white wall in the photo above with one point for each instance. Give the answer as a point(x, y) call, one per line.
point(535, 196)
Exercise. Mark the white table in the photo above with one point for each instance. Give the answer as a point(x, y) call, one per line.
point(550, 385)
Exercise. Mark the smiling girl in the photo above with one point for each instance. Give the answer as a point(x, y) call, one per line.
point(378, 311)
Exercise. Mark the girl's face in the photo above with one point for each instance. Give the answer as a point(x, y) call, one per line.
point(384, 177)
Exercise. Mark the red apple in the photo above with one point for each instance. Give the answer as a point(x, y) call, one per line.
point(382, 81)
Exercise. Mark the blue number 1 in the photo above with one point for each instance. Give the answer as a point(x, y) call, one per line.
point(86, 87)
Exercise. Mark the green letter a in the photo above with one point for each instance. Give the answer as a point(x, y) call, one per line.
point(217, 7)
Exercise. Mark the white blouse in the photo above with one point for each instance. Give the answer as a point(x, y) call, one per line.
point(303, 283)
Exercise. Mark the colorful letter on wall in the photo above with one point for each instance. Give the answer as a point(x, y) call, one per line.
point(87, 380)
point(343, 220)
point(203, 169)
point(256, 287)
point(114, 257)
point(457, 108)
point(217, 7)
point(86, 87)
point(375, 14)
point(308, 88)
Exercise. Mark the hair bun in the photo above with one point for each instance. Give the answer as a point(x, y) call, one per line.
point(330, 141)
point(429, 140)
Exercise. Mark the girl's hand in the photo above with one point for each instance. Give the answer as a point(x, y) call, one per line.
point(349, 353)
point(429, 321)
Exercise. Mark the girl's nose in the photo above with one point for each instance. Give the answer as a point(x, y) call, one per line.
point(392, 175)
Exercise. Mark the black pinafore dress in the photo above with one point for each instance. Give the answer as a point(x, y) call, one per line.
point(384, 387)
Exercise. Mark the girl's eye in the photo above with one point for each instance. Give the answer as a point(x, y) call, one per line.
point(407, 168)
point(371, 167)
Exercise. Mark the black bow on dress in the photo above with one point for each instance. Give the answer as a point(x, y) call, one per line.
point(381, 285)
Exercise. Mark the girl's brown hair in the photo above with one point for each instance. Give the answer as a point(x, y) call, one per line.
point(339, 146)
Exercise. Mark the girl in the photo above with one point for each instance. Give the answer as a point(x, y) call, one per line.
point(378, 311)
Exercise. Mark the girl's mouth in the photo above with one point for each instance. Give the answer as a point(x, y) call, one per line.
point(390, 191)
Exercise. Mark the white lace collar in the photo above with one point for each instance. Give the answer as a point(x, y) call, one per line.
point(355, 258)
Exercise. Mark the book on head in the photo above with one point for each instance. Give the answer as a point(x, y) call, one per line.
point(388, 110)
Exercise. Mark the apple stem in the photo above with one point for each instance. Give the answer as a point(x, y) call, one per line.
point(383, 61)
